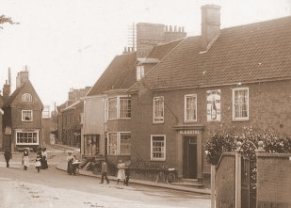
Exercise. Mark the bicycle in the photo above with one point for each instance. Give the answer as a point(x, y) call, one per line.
point(167, 175)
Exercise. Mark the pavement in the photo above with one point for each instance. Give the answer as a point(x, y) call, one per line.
point(61, 164)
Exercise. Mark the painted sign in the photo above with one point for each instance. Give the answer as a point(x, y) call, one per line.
point(213, 105)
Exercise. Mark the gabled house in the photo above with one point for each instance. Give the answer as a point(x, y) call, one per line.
point(232, 77)
point(22, 115)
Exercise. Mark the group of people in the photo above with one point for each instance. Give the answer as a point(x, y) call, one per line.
point(123, 172)
point(40, 161)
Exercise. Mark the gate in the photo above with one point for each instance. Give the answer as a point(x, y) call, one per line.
point(248, 182)
point(248, 175)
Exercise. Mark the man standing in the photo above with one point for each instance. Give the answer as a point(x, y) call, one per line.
point(104, 170)
point(8, 156)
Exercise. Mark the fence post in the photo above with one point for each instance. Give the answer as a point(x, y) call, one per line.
point(237, 179)
point(213, 187)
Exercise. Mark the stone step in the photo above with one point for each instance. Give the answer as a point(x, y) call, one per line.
point(189, 183)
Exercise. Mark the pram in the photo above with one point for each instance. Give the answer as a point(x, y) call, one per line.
point(76, 167)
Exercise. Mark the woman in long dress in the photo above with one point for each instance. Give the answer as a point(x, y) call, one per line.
point(44, 159)
point(120, 171)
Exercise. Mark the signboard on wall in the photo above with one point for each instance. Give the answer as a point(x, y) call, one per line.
point(213, 105)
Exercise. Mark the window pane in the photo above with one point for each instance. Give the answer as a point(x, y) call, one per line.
point(26, 137)
point(241, 103)
point(191, 108)
point(125, 107)
point(158, 109)
point(158, 147)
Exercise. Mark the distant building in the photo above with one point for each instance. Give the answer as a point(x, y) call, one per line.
point(76, 94)
point(22, 114)
point(68, 116)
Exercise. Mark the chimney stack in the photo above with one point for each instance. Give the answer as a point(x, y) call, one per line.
point(6, 89)
point(7, 85)
point(210, 25)
point(22, 77)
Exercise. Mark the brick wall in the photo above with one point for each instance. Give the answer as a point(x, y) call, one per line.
point(269, 108)
point(225, 180)
point(273, 180)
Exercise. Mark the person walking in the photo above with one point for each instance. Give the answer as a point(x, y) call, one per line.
point(104, 171)
point(44, 159)
point(8, 156)
point(127, 172)
point(38, 161)
point(120, 171)
point(25, 158)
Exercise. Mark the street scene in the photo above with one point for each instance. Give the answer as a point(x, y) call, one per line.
point(53, 187)
point(145, 103)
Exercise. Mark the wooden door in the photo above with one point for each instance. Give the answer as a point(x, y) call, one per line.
point(190, 157)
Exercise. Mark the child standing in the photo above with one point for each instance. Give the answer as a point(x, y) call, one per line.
point(25, 158)
point(38, 161)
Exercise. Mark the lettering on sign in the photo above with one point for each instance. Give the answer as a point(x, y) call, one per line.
point(189, 132)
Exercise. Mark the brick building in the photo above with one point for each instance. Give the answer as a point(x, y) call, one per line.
point(22, 114)
point(238, 76)
point(68, 116)
point(71, 124)
point(107, 112)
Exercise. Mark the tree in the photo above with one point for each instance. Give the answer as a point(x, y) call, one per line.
point(4, 19)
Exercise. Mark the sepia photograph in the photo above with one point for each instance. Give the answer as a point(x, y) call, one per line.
point(145, 104)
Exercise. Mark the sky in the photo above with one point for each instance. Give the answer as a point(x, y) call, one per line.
point(69, 43)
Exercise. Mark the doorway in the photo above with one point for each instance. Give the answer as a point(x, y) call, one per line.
point(190, 157)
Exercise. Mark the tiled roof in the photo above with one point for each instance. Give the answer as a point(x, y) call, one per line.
point(248, 53)
point(159, 52)
point(120, 74)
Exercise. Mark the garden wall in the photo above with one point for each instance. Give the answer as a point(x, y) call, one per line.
point(225, 180)
point(273, 180)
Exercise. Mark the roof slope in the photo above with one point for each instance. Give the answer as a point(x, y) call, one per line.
point(159, 51)
point(241, 54)
point(120, 74)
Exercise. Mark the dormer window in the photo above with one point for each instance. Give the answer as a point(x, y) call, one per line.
point(27, 115)
point(26, 97)
point(139, 72)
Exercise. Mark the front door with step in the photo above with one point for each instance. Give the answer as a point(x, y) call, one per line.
point(190, 157)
